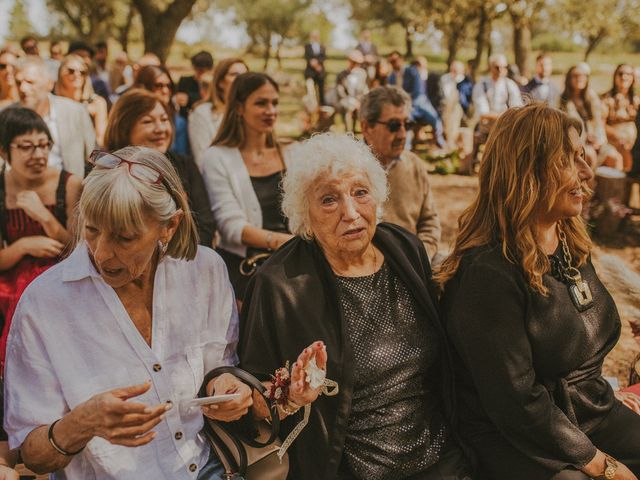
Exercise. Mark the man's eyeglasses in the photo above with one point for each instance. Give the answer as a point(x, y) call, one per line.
point(142, 172)
point(30, 148)
point(394, 125)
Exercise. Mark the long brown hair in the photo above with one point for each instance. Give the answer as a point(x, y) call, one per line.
point(585, 113)
point(520, 177)
point(130, 107)
point(614, 89)
point(231, 131)
point(216, 92)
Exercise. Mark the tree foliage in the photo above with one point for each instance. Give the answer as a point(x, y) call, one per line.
point(19, 23)
point(270, 22)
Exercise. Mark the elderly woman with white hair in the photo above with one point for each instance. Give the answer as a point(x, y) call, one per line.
point(105, 353)
point(364, 289)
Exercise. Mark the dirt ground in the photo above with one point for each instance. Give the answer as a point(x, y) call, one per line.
point(453, 193)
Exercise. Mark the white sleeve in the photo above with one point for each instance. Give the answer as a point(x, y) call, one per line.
point(32, 392)
point(227, 211)
point(479, 98)
point(200, 137)
point(515, 97)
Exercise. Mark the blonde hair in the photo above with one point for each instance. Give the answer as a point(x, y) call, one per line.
point(87, 87)
point(114, 199)
point(325, 157)
point(520, 177)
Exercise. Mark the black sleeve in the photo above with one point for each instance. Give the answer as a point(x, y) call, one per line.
point(487, 325)
point(200, 206)
point(197, 195)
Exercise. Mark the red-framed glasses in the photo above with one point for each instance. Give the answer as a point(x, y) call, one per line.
point(142, 172)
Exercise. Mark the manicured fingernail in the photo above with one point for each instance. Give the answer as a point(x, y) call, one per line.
point(148, 410)
point(168, 407)
point(162, 417)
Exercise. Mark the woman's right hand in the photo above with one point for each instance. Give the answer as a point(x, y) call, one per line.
point(40, 246)
point(110, 416)
point(595, 468)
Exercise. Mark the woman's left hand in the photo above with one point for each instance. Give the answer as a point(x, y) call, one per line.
point(7, 473)
point(233, 409)
point(300, 391)
point(30, 202)
point(630, 400)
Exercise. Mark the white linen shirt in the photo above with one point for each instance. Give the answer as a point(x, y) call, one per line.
point(71, 338)
point(491, 96)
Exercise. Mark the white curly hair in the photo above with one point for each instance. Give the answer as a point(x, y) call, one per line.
point(326, 157)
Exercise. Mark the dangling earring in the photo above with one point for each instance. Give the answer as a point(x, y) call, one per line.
point(163, 248)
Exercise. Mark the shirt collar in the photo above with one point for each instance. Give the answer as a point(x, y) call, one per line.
point(78, 265)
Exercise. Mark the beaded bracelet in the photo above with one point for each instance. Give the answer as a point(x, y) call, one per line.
point(57, 447)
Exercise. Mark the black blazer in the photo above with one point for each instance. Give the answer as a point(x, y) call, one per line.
point(308, 55)
point(291, 302)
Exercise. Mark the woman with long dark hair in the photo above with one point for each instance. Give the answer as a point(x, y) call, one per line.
point(620, 108)
point(242, 171)
point(582, 103)
point(206, 116)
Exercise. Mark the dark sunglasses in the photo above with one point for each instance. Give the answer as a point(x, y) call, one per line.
point(142, 172)
point(158, 86)
point(73, 71)
point(394, 125)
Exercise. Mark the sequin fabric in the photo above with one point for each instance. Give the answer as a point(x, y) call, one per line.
point(395, 427)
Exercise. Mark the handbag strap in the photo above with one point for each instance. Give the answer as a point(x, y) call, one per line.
point(248, 379)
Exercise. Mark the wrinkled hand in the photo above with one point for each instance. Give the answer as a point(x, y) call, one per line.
point(630, 400)
point(30, 202)
point(40, 246)
point(111, 417)
point(230, 410)
point(7, 473)
point(300, 392)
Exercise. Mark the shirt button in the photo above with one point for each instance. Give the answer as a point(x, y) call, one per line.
point(157, 367)
point(193, 467)
point(178, 435)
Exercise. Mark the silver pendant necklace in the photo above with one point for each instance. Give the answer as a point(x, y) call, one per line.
point(579, 290)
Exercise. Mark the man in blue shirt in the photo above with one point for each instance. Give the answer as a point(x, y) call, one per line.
point(411, 80)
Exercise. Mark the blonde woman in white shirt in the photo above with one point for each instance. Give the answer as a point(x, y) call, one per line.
point(104, 350)
point(206, 116)
point(242, 172)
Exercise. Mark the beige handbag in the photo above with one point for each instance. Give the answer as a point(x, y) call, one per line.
point(252, 458)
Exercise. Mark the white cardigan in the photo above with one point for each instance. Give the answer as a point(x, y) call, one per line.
point(233, 200)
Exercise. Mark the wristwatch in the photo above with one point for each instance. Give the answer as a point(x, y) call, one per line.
point(610, 467)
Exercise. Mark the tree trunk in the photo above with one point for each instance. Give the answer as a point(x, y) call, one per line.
point(267, 52)
point(521, 43)
point(278, 54)
point(160, 27)
point(593, 43)
point(484, 26)
point(123, 33)
point(408, 40)
point(453, 44)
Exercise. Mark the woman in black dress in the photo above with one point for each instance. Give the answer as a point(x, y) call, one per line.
point(529, 319)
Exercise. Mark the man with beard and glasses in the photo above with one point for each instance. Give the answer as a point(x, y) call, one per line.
point(384, 118)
